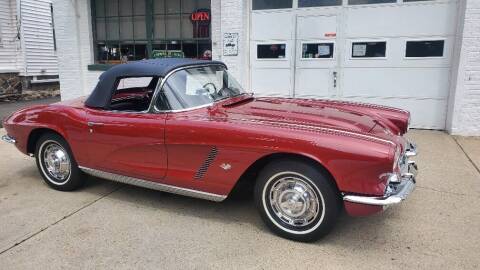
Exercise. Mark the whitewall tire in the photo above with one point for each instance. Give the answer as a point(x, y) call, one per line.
point(297, 200)
point(56, 163)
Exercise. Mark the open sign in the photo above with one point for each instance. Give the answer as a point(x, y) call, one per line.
point(201, 16)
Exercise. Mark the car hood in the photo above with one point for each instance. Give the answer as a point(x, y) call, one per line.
point(304, 113)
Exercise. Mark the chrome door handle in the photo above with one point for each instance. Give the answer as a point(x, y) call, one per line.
point(334, 79)
point(91, 124)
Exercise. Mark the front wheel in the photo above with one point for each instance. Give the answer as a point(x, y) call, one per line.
point(56, 163)
point(297, 200)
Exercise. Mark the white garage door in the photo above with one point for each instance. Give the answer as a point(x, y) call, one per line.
point(375, 51)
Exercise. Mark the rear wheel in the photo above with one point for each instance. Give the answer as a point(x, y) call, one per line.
point(296, 200)
point(56, 163)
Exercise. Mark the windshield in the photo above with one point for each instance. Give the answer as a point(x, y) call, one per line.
point(198, 86)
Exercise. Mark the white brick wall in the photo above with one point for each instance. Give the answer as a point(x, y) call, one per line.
point(75, 52)
point(464, 113)
point(231, 16)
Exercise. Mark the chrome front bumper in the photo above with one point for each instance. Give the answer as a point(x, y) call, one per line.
point(398, 188)
point(8, 139)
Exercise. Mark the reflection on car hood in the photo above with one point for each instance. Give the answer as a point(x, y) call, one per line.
point(305, 113)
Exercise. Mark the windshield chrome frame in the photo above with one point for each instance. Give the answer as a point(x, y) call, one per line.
point(153, 107)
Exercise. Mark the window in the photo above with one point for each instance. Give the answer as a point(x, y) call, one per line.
point(425, 48)
point(133, 94)
point(197, 86)
point(319, 3)
point(271, 51)
point(271, 4)
point(366, 2)
point(182, 28)
point(373, 49)
point(415, 0)
point(134, 82)
point(179, 28)
point(317, 50)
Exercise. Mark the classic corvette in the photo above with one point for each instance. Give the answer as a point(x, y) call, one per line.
point(187, 127)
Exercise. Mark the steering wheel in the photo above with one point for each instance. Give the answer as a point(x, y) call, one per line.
point(206, 86)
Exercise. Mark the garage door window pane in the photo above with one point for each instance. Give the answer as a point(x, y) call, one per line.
point(271, 4)
point(271, 51)
point(367, 2)
point(369, 49)
point(317, 50)
point(319, 3)
point(429, 48)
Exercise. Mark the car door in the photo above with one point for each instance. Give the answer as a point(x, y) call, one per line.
point(125, 141)
point(131, 144)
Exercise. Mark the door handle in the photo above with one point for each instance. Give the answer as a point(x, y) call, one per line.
point(334, 79)
point(92, 124)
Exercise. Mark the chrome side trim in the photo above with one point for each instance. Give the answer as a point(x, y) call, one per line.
point(8, 139)
point(154, 185)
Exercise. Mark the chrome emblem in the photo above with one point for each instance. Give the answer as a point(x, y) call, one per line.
point(226, 166)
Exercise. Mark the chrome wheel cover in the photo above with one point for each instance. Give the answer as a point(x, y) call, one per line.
point(56, 162)
point(294, 201)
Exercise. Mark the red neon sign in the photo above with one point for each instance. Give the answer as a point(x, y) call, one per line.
point(200, 16)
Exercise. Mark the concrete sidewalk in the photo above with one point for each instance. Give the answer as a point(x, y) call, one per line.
point(114, 226)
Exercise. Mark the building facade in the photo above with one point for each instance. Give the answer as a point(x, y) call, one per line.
point(423, 56)
point(27, 45)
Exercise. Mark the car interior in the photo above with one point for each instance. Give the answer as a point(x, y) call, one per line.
point(133, 94)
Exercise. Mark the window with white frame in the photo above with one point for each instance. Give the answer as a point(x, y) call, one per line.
point(424, 48)
point(368, 2)
point(271, 4)
point(369, 49)
point(271, 51)
point(319, 3)
point(317, 50)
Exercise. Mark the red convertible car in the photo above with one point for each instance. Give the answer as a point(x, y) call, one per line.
point(187, 127)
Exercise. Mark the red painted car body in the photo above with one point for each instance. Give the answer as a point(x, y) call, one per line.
point(355, 142)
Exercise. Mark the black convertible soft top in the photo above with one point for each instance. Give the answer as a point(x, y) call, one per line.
point(102, 94)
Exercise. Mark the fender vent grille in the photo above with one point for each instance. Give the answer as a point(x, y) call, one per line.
point(206, 163)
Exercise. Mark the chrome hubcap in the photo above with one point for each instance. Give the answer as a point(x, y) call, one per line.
point(294, 201)
point(56, 162)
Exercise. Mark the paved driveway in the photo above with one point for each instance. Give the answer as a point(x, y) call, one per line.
point(110, 225)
